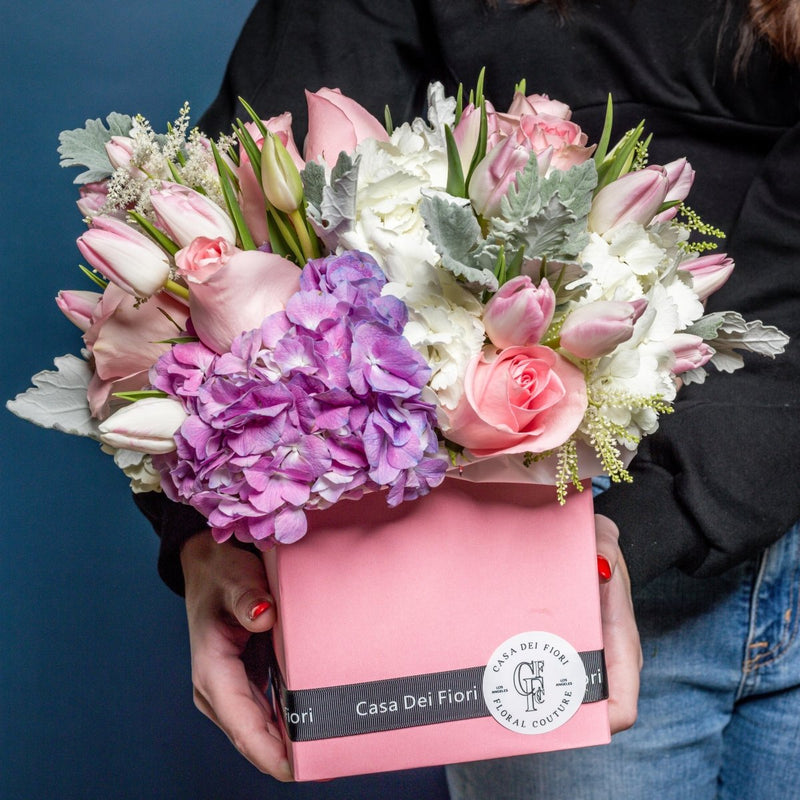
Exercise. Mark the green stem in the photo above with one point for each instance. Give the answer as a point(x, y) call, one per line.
point(309, 246)
point(173, 287)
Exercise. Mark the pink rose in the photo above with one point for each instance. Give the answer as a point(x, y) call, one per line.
point(337, 124)
point(517, 400)
point(126, 338)
point(232, 291)
point(537, 104)
point(539, 132)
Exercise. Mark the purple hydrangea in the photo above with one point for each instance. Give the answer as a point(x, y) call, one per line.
point(322, 402)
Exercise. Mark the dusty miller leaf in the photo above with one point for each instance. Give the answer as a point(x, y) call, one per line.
point(547, 215)
point(728, 331)
point(456, 235)
point(336, 209)
point(85, 147)
point(58, 399)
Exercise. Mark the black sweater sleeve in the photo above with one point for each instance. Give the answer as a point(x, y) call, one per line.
point(718, 481)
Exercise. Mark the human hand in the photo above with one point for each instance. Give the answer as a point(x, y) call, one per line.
point(228, 604)
point(623, 651)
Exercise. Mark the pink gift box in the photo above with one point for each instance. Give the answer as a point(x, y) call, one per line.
point(447, 629)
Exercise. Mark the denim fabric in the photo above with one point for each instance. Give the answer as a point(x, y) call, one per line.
point(719, 712)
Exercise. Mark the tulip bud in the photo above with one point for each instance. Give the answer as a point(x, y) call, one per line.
point(186, 214)
point(595, 329)
point(93, 197)
point(125, 256)
point(690, 352)
point(635, 197)
point(494, 174)
point(119, 150)
point(708, 273)
point(681, 177)
point(78, 306)
point(467, 132)
point(519, 313)
point(147, 426)
point(279, 176)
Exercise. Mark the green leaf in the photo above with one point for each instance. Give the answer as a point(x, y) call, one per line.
point(159, 237)
point(387, 120)
point(140, 395)
point(85, 147)
point(255, 117)
point(225, 182)
point(456, 185)
point(605, 136)
point(93, 276)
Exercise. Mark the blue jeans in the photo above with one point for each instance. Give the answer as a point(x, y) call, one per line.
point(719, 711)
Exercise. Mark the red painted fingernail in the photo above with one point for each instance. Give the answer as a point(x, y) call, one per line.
point(258, 609)
point(603, 568)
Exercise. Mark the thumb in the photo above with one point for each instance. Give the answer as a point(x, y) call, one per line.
point(247, 597)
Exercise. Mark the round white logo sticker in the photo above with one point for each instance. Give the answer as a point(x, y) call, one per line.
point(534, 682)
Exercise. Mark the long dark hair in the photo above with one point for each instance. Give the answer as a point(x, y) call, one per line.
point(774, 21)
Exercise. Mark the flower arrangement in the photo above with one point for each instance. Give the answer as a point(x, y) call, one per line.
point(478, 291)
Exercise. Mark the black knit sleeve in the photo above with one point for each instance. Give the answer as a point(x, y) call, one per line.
point(718, 481)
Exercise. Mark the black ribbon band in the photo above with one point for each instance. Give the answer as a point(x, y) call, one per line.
point(408, 702)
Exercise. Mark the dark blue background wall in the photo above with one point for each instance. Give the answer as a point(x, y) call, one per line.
point(95, 697)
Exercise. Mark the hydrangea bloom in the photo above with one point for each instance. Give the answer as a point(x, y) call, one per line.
point(323, 401)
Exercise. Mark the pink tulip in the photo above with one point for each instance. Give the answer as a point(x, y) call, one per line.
point(186, 214)
point(708, 273)
point(337, 124)
point(125, 256)
point(494, 174)
point(681, 177)
point(148, 425)
point(125, 338)
point(78, 306)
point(635, 197)
point(119, 150)
point(235, 292)
point(541, 132)
point(92, 198)
point(467, 131)
point(595, 329)
point(690, 352)
point(519, 313)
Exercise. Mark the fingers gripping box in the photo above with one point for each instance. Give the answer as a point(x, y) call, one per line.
point(461, 626)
